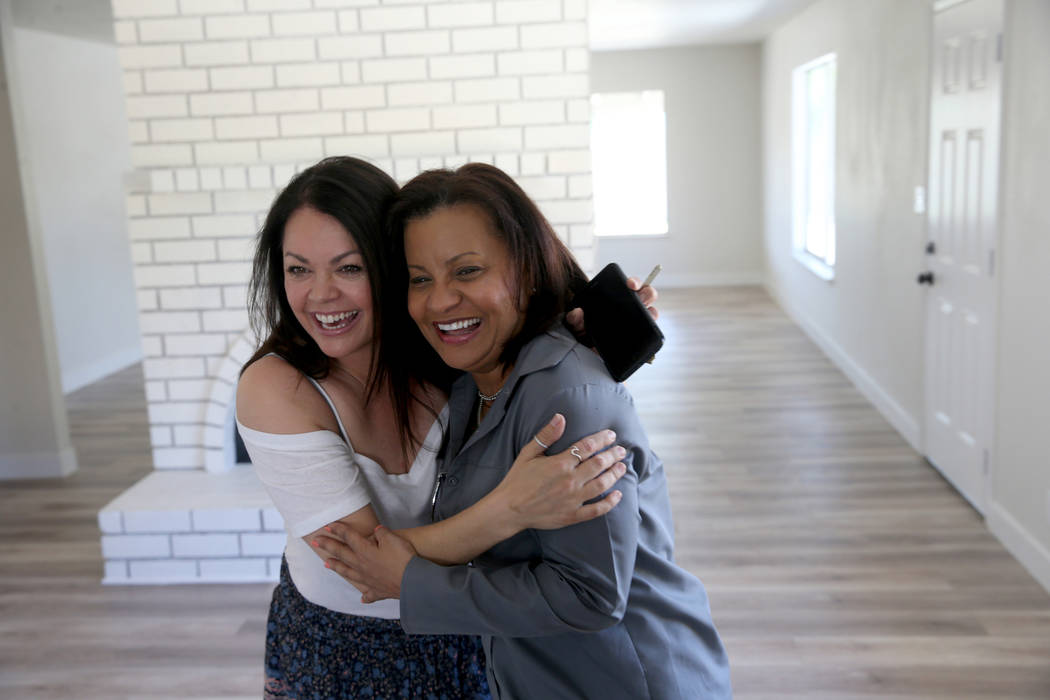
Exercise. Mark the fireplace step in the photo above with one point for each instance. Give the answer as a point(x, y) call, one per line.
point(192, 527)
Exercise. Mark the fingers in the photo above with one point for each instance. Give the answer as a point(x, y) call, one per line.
point(595, 442)
point(598, 508)
point(547, 436)
point(574, 319)
point(599, 463)
point(647, 295)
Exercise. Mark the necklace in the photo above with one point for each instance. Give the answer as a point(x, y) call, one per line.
point(485, 398)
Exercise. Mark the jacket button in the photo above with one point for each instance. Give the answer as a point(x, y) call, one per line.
point(453, 480)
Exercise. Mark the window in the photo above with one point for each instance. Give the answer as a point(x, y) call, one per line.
point(629, 163)
point(813, 145)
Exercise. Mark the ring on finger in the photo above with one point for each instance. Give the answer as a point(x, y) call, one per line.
point(575, 452)
point(540, 442)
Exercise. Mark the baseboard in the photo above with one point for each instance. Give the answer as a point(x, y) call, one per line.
point(671, 280)
point(38, 465)
point(901, 420)
point(77, 377)
point(1019, 542)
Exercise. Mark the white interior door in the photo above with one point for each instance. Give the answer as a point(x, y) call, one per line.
point(963, 230)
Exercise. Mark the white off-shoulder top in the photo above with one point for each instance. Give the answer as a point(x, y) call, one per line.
point(315, 478)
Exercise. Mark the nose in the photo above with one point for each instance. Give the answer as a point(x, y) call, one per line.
point(323, 288)
point(442, 297)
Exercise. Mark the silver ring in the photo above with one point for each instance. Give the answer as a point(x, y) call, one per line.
point(575, 452)
point(540, 443)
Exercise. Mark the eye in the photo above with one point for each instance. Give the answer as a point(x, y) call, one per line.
point(351, 269)
point(467, 271)
point(295, 270)
point(417, 280)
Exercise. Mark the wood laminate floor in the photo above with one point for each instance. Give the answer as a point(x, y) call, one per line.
point(839, 564)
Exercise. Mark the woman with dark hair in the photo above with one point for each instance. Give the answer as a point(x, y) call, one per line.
point(594, 610)
point(342, 432)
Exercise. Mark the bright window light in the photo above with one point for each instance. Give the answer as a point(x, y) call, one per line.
point(629, 163)
point(813, 137)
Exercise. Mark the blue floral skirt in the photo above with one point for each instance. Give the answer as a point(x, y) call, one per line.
point(313, 652)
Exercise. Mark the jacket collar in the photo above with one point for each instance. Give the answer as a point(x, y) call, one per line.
point(545, 350)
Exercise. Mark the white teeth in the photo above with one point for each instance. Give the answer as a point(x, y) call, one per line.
point(458, 325)
point(334, 318)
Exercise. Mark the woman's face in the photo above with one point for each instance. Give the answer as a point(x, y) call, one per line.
point(460, 289)
point(327, 285)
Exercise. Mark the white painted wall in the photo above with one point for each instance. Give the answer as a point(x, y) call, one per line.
point(714, 209)
point(1019, 511)
point(870, 319)
point(76, 138)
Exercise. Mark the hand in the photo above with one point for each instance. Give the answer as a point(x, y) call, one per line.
point(373, 565)
point(647, 294)
point(547, 493)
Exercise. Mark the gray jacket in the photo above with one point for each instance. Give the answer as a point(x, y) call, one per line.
point(594, 610)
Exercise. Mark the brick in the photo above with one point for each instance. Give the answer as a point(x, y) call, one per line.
point(544, 187)
point(158, 228)
point(568, 85)
point(191, 298)
point(223, 153)
point(245, 127)
point(211, 7)
point(405, 169)
point(385, 19)
point(578, 161)
point(223, 226)
point(568, 211)
point(313, 124)
point(259, 177)
point(555, 34)
point(400, 119)
point(292, 149)
point(155, 391)
point(242, 78)
point(243, 201)
point(180, 29)
point(351, 72)
point(575, 9)
point(353, 122)
point(473, 66)
point(217, 53)
point(345, 3)
point(370, 146)
point(417, 43)
point(577, 60)
point(211, 178)
point(487, 90)
point(225, 273)
point(160, 436)
point(304, 23)
point(156, 106)
point(161, 181)
point(192, 345)
point(146, 521)
point(579, 110)
point(272, 519)
point(262, 544)
point(180, 203)
point(132, 82)
point(356, 46)
point(177, 457)
point(147, 156)
point(508, 163)
point(184, 251)
point(581, 235)
point(221, 103)
point(235, 297)
point(460, 14)
point(176, 412)
point(425, 93)
point(235, 178)
point(389, 70)
point(226, 320)
point(160, 56)
point(143, 8)
point(129, 546)
point(152, 346)
point(186, 180)
point(237, 26)
point(234, 570)
point(529, 62)
point(282, 50)
point(499, 139)
point(110, 522)
point(125, 33)
point(270, 5)
point(215, 437)
point(193, 389)
point(485, 39)
point(236, 249)
point(163, 571)
point(205, 545)
point(308, 74)
point(580, 186)
point(135, 205)
point(349, 22)
point(539, 138)
point(147, 299)
point(226, 519)
point(166, 130)
point(147, 276)
point(356, 97)
point(424, 144)
point(461, 116)
point(532, 112)
point(524, 11)
point(115, 571)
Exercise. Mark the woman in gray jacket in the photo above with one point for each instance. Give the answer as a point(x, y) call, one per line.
point(597, 609)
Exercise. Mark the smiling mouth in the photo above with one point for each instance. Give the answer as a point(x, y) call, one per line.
point(458, 328)
point(336, 321)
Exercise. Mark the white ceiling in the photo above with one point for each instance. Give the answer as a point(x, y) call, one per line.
point(642, 24)
point(614, 24)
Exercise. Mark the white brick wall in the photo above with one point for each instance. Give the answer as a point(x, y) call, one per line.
point(227, 99)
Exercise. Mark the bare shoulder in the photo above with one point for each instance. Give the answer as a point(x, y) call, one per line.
point(274, 397)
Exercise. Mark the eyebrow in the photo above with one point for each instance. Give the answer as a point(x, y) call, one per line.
point(333, 260)
point(450, 261)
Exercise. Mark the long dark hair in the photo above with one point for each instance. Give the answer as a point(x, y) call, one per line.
point(546, 274)
point(356, 194)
